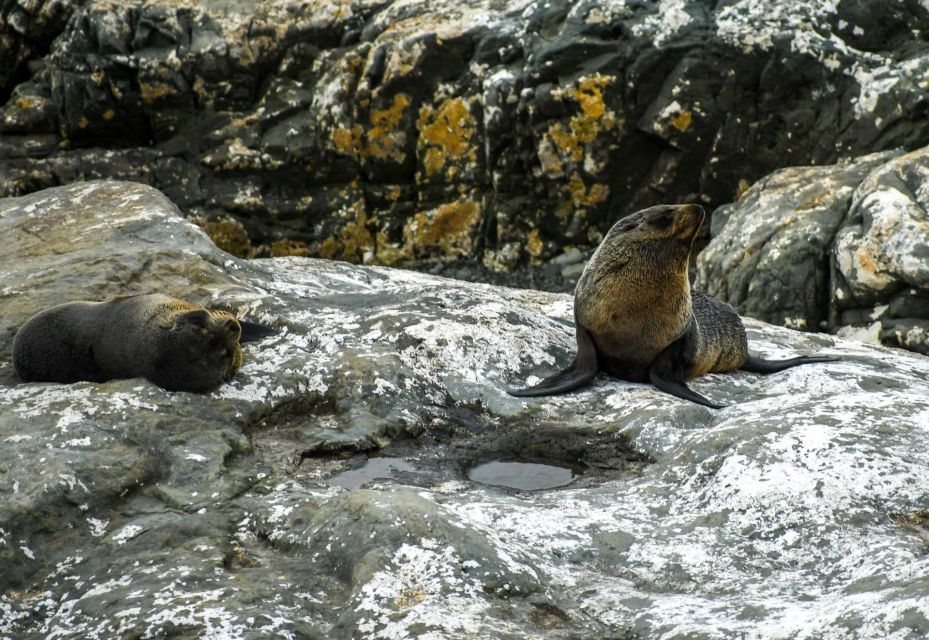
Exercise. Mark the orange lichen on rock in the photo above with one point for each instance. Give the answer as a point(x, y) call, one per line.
point(385, 139)
point(682, 120)
point(354, 239)
point(448, 229)
point(287, 247)
point(584, 127)
point(446, 134)
point(228, 234)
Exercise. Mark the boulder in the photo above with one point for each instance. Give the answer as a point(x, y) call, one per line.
point(798, 511)
point(842, 247)
point(475, 133)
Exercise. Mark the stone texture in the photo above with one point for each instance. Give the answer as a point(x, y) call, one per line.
point(843, 248)
point(128, 511)
point(421, 133)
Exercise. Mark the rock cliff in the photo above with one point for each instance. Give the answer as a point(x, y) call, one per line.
point(488, 133)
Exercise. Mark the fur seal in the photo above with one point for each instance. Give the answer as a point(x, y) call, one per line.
point(637, 319)
point(175, 344)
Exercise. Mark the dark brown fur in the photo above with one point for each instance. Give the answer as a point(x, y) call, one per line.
point(175, 344)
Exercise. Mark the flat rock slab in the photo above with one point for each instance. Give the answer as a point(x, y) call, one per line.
point(800, 511)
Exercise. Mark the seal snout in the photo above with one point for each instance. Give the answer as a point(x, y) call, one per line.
point(688, 219)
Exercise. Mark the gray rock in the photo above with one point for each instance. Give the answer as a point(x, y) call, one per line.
point(130, 511)
point(404, 133)
point(842, 247)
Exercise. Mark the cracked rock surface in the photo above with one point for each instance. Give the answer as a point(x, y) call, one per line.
point(799, 511)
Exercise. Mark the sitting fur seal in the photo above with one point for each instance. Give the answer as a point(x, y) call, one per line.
point(177, 345)
point(636, 318)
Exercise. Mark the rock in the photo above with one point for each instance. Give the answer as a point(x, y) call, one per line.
point(495, 134)
point(837, 247)
point(127, 510)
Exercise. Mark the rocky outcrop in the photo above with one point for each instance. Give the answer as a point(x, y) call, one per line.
point(843, 248)
point(128, 511)
point(402, 133)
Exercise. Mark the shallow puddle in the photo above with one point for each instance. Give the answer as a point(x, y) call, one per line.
point(526, 476)
point(372, 469)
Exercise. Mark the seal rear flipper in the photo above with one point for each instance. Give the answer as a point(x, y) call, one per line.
point(670, 369)
point(253, 331)
point(584, 369)
point(760, 365)
point(679, 389)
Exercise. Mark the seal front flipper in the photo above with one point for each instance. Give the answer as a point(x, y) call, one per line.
point(581, 372)
point(671, 367)
point(253, 331)
point(760, 365)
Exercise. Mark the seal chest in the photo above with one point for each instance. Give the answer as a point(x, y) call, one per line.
point(636, 317)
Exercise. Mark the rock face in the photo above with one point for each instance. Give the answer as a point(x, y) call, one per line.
point(799, 511)
point(843, 247)
point(398, 132)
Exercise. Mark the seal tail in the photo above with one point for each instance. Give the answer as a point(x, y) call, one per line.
point(581, 372)
point(253, 332)
point(760, 365)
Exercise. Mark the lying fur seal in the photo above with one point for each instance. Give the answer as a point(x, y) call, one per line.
point(177, 345)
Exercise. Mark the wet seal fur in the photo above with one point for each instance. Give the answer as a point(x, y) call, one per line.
point(637, 319)
point(177, 345)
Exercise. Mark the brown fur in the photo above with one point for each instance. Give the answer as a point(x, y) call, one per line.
point(175, 344)
point(635, 297)
point(637, 319)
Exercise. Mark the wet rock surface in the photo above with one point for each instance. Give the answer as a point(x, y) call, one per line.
point(496, 135)
point(126, 510)
point(843, 248)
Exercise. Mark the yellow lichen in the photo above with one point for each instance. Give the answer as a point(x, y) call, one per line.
point(25, 103)
point(814, 201)
point(354, 238)
point(534, 244)
point(446, 133)
point(347, 141)
point(566, 141)
point(385, 140)
point(286, 247)
point(228, 234)
point(392, 254)
point(150, 92)
point(328, 248)
point(682, 120)
point(583, 196)
point(109, 114)
point(447, 228)
point(584, 127)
